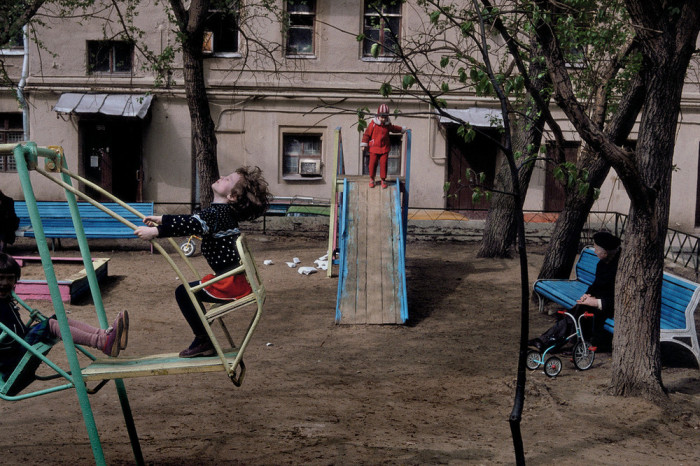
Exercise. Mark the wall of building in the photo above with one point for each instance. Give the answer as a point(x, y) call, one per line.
point(251, 112)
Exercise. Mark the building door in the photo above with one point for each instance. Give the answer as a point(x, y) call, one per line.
point(554, 194)
point(111, 158)
point(480, 155)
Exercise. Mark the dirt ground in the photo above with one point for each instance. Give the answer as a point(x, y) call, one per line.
point(436, 391)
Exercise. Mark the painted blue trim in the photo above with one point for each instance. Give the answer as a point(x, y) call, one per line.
point(342, 240)
point(402, 255)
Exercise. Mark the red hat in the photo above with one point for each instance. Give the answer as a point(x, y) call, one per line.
point(383, 109)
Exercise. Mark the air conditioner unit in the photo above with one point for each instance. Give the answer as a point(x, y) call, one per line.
point(309, 167)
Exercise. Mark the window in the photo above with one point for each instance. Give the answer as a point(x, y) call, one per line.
point(382, 26)
point(300, 32)
point(109, 56)
point(301, 155)
point(221, 30)
point(15, 44)
point(393, 166)
point(10, 132)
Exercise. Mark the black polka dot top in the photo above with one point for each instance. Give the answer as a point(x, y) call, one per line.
point(218, 228)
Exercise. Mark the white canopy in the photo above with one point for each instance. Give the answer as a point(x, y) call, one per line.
point(475, 116)
point(126, 105)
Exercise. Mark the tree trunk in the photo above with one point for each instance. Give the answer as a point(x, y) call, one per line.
point(202, 126)
point(636, 364)
point(501, 228)
point(564, 244)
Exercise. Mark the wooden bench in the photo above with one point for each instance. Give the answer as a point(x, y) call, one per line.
point(679, 299)
point(57, 221)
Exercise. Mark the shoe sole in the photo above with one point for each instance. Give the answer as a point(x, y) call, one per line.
point(125, 332)
point(114, 350)
point(209, 352)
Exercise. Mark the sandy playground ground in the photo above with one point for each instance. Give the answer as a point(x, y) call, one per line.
point(436, 391)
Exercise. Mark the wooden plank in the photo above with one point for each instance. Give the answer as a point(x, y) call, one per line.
point(391, 311)
point(362, 248)
point(348, 296)
point(147, 366)
point(376, 236)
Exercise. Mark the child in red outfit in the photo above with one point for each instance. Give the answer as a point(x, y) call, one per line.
point(376, 137)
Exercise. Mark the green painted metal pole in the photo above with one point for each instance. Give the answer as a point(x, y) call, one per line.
point(99, 305)
point(30, 151)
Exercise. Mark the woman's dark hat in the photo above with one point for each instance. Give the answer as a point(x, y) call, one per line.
point(606, 240)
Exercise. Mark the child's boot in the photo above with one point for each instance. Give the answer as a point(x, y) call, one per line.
point(111, 346)
point(124, 317)
point(384, 185)
point(201, 346)
point(371, 183)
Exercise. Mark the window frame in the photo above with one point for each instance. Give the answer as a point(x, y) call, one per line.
point(9, 49)
point(310, 132)
point(290, 26)
point(369, 13)
point(112, 58)
point(211, 35)
point(10, 125)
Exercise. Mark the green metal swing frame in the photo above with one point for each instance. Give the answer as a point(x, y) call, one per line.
point(230, 359)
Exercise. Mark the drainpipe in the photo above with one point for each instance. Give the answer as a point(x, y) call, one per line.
point(22, 83)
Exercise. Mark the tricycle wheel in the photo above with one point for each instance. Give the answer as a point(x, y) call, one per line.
point(533, 360)
point(583, 357)
point(188, 248)
point(552, 366)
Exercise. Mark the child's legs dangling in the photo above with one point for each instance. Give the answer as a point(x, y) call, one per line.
point(83, 334)
point(188, 310)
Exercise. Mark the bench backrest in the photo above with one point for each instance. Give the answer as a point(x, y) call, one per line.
point(679, 297)
point(57, 222)
point(585, 267)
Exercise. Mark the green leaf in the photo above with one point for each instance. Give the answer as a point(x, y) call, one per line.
point(445, 87)
point(444, 61)
point(434, 16)
point(408, 81)
point(385, 89)
point(467, 28)
point(375, 50)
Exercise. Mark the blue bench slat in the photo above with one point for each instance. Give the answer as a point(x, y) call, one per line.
point(57, 222)
point(679, 298)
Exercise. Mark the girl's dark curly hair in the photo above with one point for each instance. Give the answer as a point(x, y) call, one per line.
point(9, 265)
point(251, 193)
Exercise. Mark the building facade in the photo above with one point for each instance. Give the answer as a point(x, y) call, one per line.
point(97, 99)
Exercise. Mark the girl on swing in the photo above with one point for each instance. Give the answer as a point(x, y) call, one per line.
point(240, 196)
point(110, 341)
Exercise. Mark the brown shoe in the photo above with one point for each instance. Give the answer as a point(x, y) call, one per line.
point(201, 346)
point(124, 315)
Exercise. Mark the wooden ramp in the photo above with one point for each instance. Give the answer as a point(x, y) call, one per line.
point(371, 282)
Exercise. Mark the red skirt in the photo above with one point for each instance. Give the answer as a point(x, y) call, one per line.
point(230, 288)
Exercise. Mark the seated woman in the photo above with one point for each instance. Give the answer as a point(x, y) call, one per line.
point(599, 299)
point(110, 341)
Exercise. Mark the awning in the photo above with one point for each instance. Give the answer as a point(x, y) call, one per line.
point(126, 105)
point(475, 116)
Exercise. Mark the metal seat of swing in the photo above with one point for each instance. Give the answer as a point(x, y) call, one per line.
point(229, 359)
